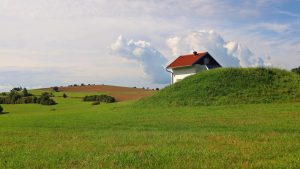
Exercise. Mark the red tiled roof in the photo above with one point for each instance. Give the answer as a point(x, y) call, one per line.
point(186, 60)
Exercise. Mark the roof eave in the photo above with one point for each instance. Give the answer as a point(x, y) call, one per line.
point(180, 66)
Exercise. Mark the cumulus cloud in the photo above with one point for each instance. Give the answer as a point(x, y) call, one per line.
point(152, 61)
point(228, 54)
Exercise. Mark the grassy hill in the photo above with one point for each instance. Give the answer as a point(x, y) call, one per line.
point(230, 86)
point(76, 134)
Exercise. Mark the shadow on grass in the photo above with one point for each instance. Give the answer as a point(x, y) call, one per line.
point(2, 113)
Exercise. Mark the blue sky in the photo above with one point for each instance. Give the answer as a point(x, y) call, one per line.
point(59, 42)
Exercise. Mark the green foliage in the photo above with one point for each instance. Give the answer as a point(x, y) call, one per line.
point(18, 89)
point(25, 93)
point(100, 98)
point(14, 97)
point(1, 109)
point(296, 70)
point(65, 95)
point(45, 99)
point(55, 88)
point(230, 86)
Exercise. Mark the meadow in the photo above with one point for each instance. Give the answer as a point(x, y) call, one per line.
point(75, 134)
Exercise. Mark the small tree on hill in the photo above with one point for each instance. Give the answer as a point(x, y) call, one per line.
point(65, 95)
point(1, 109)
point(45, 99)
point(296, 70)
point(25, 93)
point(56, 89)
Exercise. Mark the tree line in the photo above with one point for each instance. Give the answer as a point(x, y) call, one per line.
point(22, 96)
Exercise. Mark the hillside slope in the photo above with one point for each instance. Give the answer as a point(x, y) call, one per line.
point(230, 86)
point(118, 92)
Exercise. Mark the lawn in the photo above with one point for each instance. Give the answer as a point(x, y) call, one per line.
point(75, 134)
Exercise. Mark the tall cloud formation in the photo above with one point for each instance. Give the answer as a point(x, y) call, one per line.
point(149, 58)
point(228, 54)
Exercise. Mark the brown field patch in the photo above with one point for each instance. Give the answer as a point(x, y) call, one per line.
point(118, 92)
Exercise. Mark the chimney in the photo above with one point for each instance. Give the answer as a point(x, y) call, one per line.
point(195, 52)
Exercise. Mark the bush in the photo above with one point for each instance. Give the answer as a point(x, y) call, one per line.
point(25, 93)
point(1, 109)
point(296, 70)
point(45, 99)
point(100, 98)
point(17, 89)
point(65, 95)
point(56, 89)
point(14, 97)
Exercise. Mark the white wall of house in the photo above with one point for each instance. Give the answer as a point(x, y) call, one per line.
point(183, 72)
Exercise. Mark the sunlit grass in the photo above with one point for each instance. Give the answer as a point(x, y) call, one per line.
point(75, 134)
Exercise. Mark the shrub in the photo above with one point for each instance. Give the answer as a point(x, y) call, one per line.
point(14, 97)
point(17, 89)
point(45, 99)
point(296, 70)
point(65, 95)
point(56, 89)
point(1, 109)
point(100, 98)
point(30, 99)
point(25, 93)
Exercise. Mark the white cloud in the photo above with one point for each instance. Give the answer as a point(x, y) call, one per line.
point(73, 35)
point(228, 54)
point(275, 27)
point(143, 53)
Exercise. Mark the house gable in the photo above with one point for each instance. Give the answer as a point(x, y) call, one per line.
point(197, 58)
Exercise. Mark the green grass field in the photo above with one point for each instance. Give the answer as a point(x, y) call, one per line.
point(75, 134)
point(252, 121)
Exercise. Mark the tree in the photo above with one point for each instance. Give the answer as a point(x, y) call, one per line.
point(296, 70)
point(45, 99)
point(25, 93)
point(100, 98)
point(1, 109)
point(65, 95)
point(56, 89)
point(17, 89)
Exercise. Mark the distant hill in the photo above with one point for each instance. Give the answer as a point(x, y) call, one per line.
point(230, 86)
point(118, 92)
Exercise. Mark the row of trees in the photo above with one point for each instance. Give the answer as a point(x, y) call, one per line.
point(24, 97)
point(296, 70)
point(99, 98)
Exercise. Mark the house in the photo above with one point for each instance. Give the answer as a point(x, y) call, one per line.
point(187, 65)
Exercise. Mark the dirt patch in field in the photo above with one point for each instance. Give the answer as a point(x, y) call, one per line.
point(118, 92)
